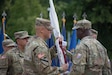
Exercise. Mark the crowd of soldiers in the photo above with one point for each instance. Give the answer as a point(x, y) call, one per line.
point(30, 55)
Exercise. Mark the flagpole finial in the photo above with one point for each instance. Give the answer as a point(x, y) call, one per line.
point(75, 17)
point(41, 15)
point(4, 14)
point(84, 16)
point(63, 15)
point(63, 18)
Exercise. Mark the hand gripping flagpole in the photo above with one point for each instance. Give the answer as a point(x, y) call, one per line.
point(56, 32)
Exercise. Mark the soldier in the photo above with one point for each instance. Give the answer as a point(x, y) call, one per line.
point(94, 33)
point(7, 45)
point(16, 55)
point(37, 54)
point(90, 56)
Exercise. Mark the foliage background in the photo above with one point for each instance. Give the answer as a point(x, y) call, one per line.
point(21, 15)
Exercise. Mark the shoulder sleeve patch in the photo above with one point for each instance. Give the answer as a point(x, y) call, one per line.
point(78, 55)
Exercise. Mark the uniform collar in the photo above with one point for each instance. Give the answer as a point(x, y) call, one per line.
point(43, 41)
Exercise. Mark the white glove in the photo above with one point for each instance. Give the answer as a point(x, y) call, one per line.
point(64, 43)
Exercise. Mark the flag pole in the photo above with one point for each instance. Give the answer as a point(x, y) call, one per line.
point(63, 18)
point(75, 17)
point(84, 15)
point(4, 22)
point(63, 26)
point(41, 15)
point(56, 31)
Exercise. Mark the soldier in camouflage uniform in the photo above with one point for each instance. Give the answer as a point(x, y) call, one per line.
point(7, 44)
point(37, 54)
point(90, 56)
point(16, 55)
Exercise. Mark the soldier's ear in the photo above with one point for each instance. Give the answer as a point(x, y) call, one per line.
point(42, 29)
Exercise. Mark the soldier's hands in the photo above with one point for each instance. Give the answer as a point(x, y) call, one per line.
point(61, 42)
point(64, 44)
point(59, 38)
point(64, 67)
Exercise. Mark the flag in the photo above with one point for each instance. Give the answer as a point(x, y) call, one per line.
point(55, 62)
point(73, 40)
point(50, 41)
point(2, 30)
point(54, 19)
point(64, 32)
point(56, 32)
point(4, 22)
point(63, 27)
point(72, 46)
point(1, 39)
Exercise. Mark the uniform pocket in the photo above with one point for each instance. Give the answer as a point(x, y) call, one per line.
point(3, 62)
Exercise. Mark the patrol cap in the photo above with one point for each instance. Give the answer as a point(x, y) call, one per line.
point(83, 24)
point(8, 43)
point(21, 35)
point(44, 22)
point(94, 31)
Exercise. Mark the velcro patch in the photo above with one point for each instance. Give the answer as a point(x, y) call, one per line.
point(79, 55)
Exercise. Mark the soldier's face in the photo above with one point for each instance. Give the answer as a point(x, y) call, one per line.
point(43, 32)
point(22, 42)
point(79, 33)
point(47, 33)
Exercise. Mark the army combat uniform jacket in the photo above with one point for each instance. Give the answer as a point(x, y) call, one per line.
point(38, 57)
point(3, 64)
point(90, 58)
point(15, 61)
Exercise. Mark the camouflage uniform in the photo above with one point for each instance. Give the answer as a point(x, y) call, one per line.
point(39, 66)
point(3, 64)
point(4, 58)
point(16, 56)
point(15, 62)
point(37, 60)
point(90, 56)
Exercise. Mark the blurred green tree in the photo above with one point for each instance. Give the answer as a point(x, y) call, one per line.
point(21, 15)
